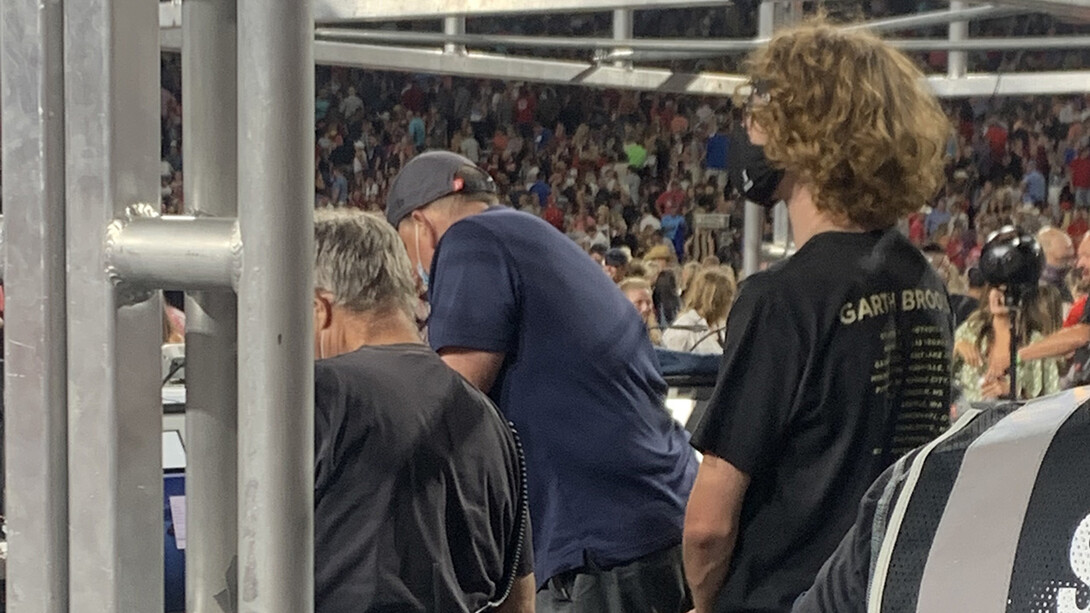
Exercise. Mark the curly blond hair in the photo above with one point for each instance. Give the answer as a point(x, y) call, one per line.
point(853, 118)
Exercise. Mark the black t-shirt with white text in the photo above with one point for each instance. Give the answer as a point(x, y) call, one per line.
point(836, 362)
point(416, 486)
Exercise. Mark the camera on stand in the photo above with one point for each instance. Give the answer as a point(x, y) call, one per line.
point(1012, 260)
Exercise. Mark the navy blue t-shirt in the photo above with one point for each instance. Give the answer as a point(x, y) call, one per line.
point(609, 469)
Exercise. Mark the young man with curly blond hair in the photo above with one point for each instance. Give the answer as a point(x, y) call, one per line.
point(837, 361)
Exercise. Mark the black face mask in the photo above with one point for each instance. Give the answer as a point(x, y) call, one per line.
point(750, 171)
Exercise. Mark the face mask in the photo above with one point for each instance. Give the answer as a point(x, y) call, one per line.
point(423, 274)
point(320, 334)
point(321, 345)
point(750, 171)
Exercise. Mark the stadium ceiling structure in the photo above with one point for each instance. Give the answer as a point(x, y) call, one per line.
point(346, 34)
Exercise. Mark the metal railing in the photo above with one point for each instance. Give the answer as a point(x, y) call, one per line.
point(86, 254)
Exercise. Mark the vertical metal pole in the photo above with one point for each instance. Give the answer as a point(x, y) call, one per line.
point(457, 27)
point(781, 225)
point(115, 485)
point(753, 228)
point(956, 64)
point(752, 234)
point(276, 369)
point(622, 30)
point(210, 151)
point(35, 445)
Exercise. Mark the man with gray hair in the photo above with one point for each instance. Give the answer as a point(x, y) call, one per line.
point(418, 497)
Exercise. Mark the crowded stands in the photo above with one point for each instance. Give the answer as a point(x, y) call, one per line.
point(632, 176)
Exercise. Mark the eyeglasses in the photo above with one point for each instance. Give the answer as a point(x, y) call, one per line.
point(758, 97)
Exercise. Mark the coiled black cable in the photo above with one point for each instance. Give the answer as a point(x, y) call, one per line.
point(522, 516)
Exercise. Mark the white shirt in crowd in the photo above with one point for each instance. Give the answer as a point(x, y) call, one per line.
point(599, 238)
point(471, 149)
point(350, 105)
point(649, 221)
point(690, 333)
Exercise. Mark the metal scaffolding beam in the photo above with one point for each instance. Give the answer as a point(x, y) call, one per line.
point(454, 26)
point(936, 18)
point(210, 152)
point(340, 11)
point(631, 48)
point(276, 359)
point(622, 30)
point(335, 11)
point(754, 214)
point(1012, 84)
point(1076, 9)
point(115, 485)
point(957, 61)
point(378, 57)
point(35, 416)
point(176, 252)
point(408, 59)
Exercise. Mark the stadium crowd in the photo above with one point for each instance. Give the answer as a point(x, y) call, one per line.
point(632, 176)
point(632, 189)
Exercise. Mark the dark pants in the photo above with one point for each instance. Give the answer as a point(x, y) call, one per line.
point(652, 584)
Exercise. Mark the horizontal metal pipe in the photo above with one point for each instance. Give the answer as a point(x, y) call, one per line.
point(170, 16)
point(546, 42)
point(935, 18)
point(543, 70)
point(689, 51)
point(174, 252)
point(346, 11)
point(676, 45)
point(909, 44)
point(993, 44)
point(1076, 9)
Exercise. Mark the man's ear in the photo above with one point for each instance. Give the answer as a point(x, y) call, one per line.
point(323, 311)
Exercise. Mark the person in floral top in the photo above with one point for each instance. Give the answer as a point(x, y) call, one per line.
point(983, 374)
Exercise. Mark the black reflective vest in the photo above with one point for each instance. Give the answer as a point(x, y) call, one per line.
point(991, 517)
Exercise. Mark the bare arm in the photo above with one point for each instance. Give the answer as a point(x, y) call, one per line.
point(711, 528)
point(1058, 344)
point(478, 367)
point(522, 596)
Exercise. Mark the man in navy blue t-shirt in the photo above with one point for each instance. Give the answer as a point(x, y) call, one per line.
point(521, 312)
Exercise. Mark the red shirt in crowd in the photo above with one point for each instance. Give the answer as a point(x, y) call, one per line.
point(1080, 172)
point(413, 99)
point(669, 202)
point(524, 108)
point(916, 231)
point(1077, 229)
point(554, 216)
point(1075, 314)
point(955, 252)
point(997, 140)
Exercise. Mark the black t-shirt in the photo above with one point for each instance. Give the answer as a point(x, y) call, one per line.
point(416, 486)
point(836, 362)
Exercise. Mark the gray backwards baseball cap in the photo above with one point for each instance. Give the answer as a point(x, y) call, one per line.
point(427, 178)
